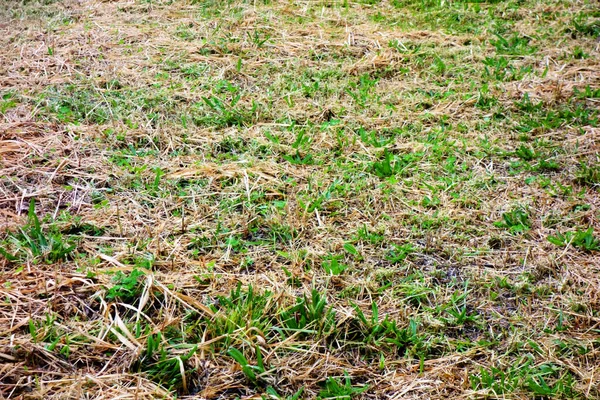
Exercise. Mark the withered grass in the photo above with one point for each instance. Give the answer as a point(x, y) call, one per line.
point(106, 127)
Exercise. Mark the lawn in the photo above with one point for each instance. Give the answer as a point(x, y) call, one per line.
point(300, 199)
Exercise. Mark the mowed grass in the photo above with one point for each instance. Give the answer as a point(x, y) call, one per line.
point(300, 199)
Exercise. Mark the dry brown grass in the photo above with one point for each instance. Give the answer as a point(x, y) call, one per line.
point(132, 71)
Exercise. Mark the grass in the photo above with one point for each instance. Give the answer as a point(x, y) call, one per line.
point(288, 200)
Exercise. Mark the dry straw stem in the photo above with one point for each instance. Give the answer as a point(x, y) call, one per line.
point(206, 145)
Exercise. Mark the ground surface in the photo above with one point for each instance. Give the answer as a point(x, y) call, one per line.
point(376, 199)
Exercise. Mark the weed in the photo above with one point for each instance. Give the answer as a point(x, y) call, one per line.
point(581, 26)
point(385, 334)
point(163, 367)
point(579, 53)
point(501, 69)
point(351, 249)
point(542, 118)
point(524, 375)
point(390, 165)
point(7, 101)
point(397, 253)
point(298, 159)
point(274, 395)
point(516, 220)
point(33, 244)
point(460, 314)
point(514, 45)
point(225, 113)
point(525, 153)
point(44, 330)
point(127, 288)
point(309, 315)
point(430, 202)
point(484, 100)
point(495, 380)
point(363, 234)
point(336, 389)
point(259, 37)
point(311, 203)
point(252, 372)
point(584, 240)
point(72, 104)
point(362, 91)
point(588, 174)
point(332, 265)
point(587, 93)
point(414, 291)
point(242, 309)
